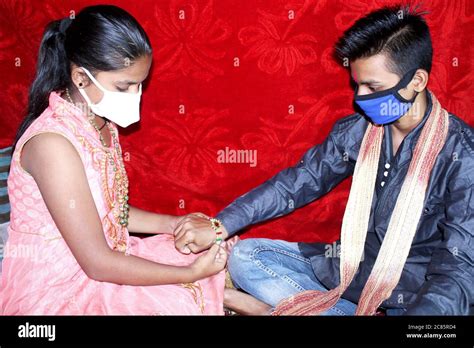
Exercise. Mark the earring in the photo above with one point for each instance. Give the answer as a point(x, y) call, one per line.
point(80, 84)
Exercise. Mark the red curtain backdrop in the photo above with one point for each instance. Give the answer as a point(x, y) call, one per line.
point(242, 75)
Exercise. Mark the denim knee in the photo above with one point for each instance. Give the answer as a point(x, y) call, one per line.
point(240, 263)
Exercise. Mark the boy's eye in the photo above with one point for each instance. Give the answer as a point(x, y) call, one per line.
point(374, 89)
point(121, 89)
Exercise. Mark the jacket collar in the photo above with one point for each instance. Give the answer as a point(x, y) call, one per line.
point(408, 144)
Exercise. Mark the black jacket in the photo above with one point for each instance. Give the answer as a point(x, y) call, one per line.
point(438, 277)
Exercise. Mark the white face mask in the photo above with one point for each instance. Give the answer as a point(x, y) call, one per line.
point(119, 107)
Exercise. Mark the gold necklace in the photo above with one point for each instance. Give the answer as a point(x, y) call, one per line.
point(120, 174)
point(91, 120)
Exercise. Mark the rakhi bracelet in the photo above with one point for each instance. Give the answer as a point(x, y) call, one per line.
point(216, 225)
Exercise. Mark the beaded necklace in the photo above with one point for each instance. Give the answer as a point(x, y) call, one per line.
point(121, 179)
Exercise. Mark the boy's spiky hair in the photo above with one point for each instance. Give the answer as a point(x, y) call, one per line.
point(400, 32)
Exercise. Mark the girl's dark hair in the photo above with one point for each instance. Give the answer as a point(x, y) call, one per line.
point(99, 38)
point(399, 31)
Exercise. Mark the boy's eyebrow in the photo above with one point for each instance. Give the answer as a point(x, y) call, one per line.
point(370, 82)
point(365, 82)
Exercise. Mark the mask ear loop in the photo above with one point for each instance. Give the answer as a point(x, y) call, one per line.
point(94, 80)
point(404, 82)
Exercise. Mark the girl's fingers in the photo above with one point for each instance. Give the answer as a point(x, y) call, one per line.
point(221, 255)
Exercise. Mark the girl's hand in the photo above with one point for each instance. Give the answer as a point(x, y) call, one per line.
point(194, 233)
point(211, 262)
point(179, 220)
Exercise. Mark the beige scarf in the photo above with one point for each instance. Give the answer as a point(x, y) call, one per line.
point(401, 229)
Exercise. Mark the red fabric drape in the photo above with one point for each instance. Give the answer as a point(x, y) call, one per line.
point(242, 75)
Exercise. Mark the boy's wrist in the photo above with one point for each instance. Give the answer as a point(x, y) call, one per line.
point(219, 229)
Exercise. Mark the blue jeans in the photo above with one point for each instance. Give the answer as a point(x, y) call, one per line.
point(271, 270)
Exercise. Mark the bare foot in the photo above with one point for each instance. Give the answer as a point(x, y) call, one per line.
point(244, 304)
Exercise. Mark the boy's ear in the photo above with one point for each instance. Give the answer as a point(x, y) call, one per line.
point(420, 80)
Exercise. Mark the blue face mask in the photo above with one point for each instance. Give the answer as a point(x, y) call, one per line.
point(386, 106)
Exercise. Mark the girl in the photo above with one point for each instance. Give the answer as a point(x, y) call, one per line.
point(69, 190)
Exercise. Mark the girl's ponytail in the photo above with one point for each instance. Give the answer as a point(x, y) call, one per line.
point(52, 72)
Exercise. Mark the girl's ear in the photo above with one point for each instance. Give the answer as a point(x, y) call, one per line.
point(79, 77)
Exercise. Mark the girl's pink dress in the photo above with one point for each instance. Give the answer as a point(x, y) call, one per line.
point(40, 274)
